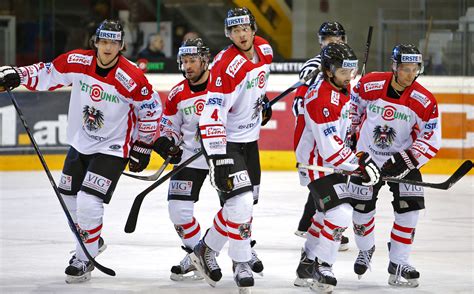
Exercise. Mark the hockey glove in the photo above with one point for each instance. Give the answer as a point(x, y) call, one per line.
point(297, 105)
point(166, 147)
point(139, 157)
point(10, 78)
point(219, 170)
point(369, 170)
point(399, 164)
point(266, 111)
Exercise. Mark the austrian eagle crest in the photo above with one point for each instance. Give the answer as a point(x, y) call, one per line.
point(93, 118)
point(384, 136)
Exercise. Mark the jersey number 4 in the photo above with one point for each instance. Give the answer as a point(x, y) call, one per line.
point(215, 115)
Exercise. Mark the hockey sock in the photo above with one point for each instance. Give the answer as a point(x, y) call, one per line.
point(336, 220)
point(364, 224)
point(71, 204)
point(312, 238)
point(185, 224)
point(239, 218)
point(216, 236)
point(90, 210)
point(402, 235)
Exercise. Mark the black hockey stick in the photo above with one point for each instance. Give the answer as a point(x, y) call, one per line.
point(152, 177)
point(137, 203)
point(462, 170)
point(157, 174)
point(72, 226)
point(290, 89)
point(367, 48)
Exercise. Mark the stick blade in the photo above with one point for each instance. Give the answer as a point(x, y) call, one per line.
point(459, 173)
point(131, 223)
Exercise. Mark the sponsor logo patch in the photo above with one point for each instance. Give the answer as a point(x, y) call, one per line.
point(266, 49)
point(372, 86)
point(425, 101)
point(80, 59)
point(241, 179)
point(97, 182)
point(237, 20)
point(181, 187)
point(65, 182)
point(175, 91)
point(235, 65)
point(125, 80)
point(218, 82)
point(325, 112)
point(411, 58)
point(335, 98)
point(144, 91)
point(110, 35)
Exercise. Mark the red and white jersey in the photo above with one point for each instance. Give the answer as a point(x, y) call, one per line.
point(181, 120)
point(235, 94)
point(393, 125)
point(327, 127)
point(106, 114)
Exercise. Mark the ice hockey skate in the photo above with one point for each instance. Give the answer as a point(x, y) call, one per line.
point(255, 263)
point(403, 275)
point(344, 241)
point(362, 262)
point(102, 247)
point(185, 270)
point(78, 271)
point(243, 276)
point(301, 234)
point(324, 280)
point(304, 271)
point(204, 259)
point(344, 246)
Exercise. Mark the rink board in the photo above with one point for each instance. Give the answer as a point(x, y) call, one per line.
point(46, 113)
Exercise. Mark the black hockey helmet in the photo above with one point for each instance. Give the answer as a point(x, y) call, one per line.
point(195, 47)
point(406, 53)
point(239, 16)
point(331, 29)
point(110, 29)
point(338, 55)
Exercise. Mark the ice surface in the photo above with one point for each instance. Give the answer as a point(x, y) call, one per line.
point(35, 240)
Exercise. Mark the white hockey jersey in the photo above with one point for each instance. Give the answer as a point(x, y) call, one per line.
point(106, 114)
point(326, 130)
point(181, 120)
point(393, 125)
point(236, 90)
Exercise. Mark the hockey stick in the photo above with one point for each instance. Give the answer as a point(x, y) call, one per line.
point(290, 89)
point(72, 226)
point(133, 215)
point(157, 174)
point(152, 177)
point(462, 170)
point(367, 48)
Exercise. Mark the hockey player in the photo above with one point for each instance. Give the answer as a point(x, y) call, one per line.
point(180, 122)
point(111, 112)
point(401, 132)
point(324, 142)
point(329, 32)
point(230, 127)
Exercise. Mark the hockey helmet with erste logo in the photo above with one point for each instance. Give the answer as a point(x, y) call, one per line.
point(110, 29)
point(406, 53)
point(239, 16)
point(193, 47)
point(338, 55)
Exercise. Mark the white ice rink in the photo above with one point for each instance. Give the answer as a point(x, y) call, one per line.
point(35, 240)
